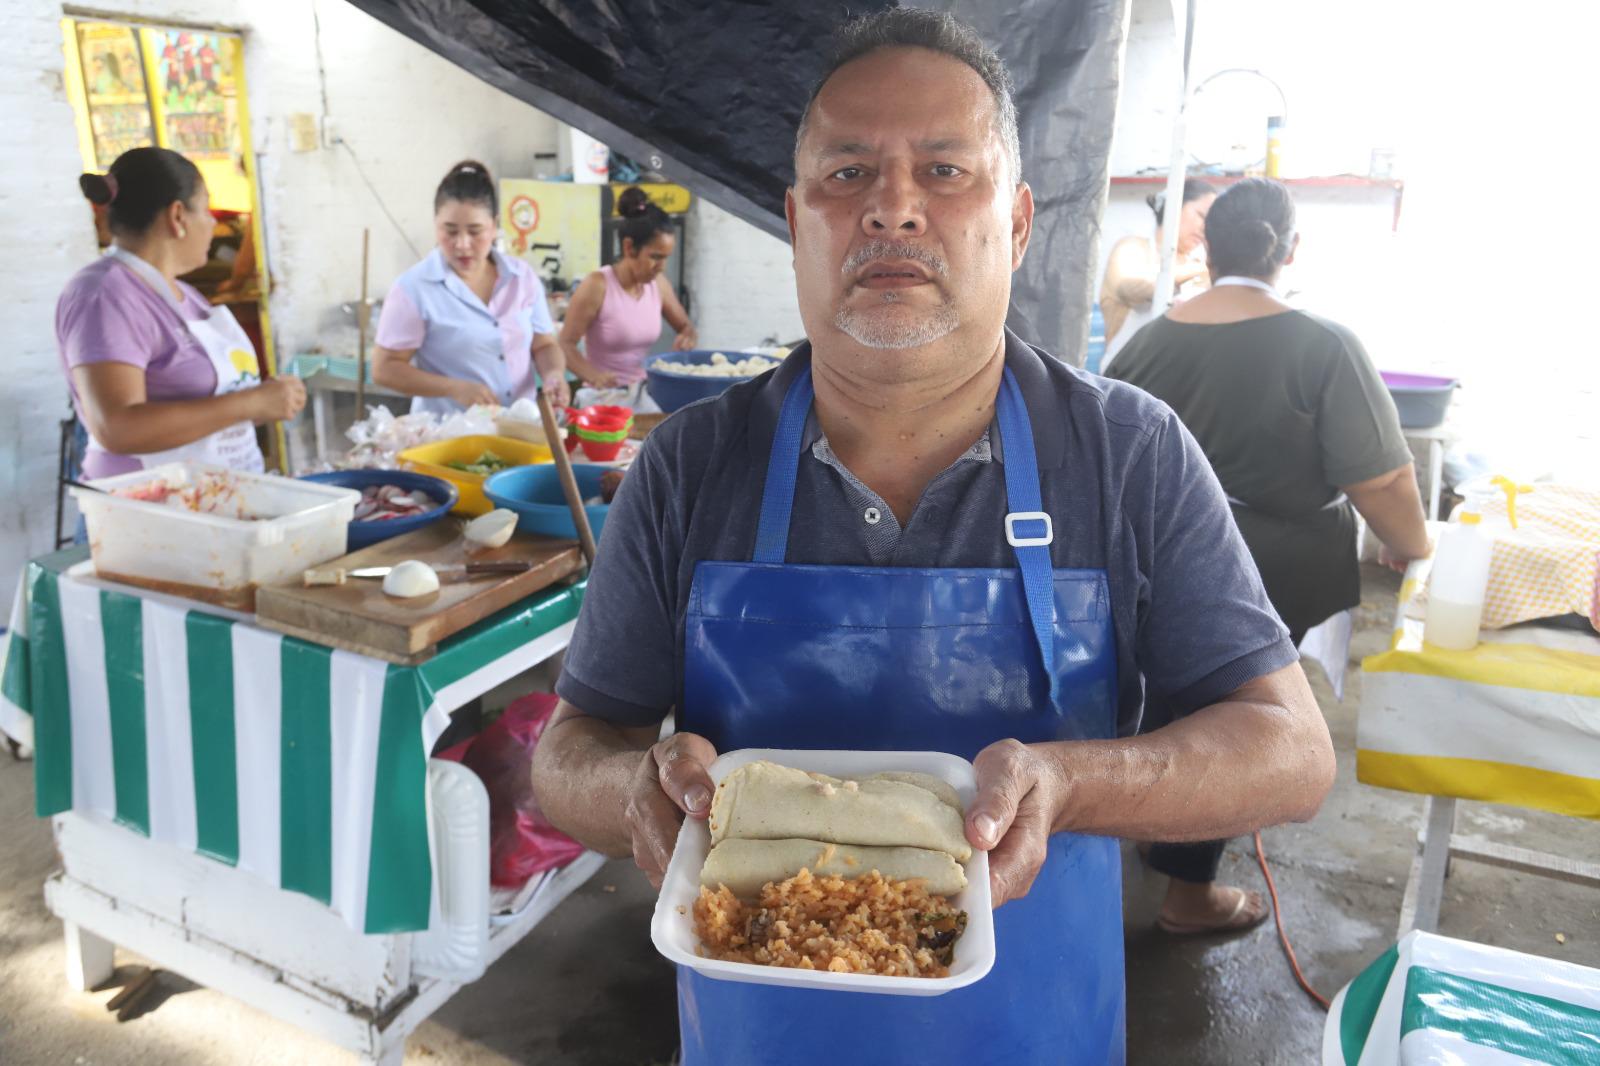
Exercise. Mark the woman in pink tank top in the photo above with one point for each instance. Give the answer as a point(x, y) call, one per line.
point(617, 311)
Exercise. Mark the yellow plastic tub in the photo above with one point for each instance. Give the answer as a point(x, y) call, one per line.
point(433, 459)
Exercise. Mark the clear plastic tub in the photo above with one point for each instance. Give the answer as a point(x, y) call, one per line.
point(672, 927)
point(217, 556)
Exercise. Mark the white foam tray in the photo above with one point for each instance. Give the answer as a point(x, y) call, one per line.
point(672, 927)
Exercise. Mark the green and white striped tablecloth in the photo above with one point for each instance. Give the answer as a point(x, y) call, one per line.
point(1432, 1000)
point(301, 764)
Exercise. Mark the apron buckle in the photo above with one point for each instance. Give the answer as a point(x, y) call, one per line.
point(1018, 541)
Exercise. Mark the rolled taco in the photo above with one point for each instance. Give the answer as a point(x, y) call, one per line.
point(764, 801)
point(744, 866)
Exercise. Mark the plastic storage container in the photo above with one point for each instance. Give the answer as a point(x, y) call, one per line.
point(213, 557)
point(361, 534)
point(671, 391)
point(1423, 400)
point(431, 459)
point(534, 493)
point(1458, 583)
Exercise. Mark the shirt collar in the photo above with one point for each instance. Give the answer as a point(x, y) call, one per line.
point(1047, 410)
point(434, 268)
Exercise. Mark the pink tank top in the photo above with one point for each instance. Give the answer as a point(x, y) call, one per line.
point(625, 330)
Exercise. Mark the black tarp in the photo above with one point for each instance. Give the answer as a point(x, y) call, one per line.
point(709, 92)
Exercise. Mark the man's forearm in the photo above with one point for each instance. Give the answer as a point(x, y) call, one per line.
point(583, 772)
point(1259, 758)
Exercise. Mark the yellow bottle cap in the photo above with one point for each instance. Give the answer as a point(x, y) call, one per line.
point(1469, 518)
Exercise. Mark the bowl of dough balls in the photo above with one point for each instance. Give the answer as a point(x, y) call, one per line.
point(677, 379)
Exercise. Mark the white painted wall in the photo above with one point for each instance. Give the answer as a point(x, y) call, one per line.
point(741, 281)
point(49, 235)
point(405, 114)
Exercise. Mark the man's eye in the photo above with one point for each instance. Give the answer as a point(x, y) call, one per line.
point(848, 173)
point(946, 170)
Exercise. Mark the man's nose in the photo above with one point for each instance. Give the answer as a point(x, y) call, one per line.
point(895, 207)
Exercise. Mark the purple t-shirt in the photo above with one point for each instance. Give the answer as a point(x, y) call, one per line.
point(107, 314)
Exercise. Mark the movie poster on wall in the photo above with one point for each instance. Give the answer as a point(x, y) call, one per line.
point(117, 99)
point(195, 86)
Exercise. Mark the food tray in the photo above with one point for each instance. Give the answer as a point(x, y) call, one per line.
point(431, 459)
point(212, 557)
point(672, 927)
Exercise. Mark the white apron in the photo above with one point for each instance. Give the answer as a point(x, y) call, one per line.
point(232, 355)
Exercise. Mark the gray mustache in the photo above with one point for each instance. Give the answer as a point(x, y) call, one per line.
point(874, 250)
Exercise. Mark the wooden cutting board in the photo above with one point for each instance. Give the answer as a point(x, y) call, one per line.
point(357, 616)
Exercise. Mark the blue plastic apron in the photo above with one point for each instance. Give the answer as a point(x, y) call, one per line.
point(885, 658)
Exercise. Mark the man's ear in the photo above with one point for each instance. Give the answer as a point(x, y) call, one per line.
point(788, 212)
point(1021, 223)
point(1294, 246)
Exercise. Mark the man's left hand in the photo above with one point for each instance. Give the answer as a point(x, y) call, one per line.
point(1020, 791)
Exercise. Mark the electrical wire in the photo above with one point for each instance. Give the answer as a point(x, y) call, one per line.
point(1283, 937)
point(322, 82)
point(342, 143)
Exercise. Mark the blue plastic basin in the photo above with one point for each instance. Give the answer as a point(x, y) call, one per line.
point(534, 493)
point(362, 534)
point(671, 391)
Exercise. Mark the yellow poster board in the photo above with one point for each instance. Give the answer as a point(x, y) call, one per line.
point(553, 225)
point(673, 199)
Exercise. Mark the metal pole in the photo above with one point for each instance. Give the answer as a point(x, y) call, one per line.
point(363, 313)
point(1175, 172)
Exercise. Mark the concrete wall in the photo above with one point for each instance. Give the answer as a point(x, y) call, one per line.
point(741, 281)
point(404, 115)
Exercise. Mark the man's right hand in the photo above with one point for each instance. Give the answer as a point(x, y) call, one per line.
point(672, 780)
point(277, 400)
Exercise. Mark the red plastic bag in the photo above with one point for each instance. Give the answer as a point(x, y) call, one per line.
point(521, 842)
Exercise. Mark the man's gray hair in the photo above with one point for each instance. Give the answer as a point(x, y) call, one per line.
point(937, 31)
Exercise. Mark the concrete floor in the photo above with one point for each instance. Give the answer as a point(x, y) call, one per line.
point(587, 987)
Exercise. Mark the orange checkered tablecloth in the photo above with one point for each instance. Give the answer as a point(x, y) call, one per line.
point(1548, 565)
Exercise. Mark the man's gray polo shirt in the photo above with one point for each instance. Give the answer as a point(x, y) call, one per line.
point(1128, 490)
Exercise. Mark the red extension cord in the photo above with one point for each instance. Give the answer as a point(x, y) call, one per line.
point(1283, 937)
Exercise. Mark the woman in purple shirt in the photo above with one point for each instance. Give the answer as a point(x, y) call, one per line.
point(156, 372)
point(468, 324)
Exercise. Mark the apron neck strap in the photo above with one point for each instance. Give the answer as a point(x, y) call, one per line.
point(783, 469)
point(146, 272)
point(1027, 528)
point(1244, 283)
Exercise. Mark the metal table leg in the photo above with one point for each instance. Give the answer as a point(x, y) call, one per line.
point(1425, 886)
point(1435, 476)
point(322, 420)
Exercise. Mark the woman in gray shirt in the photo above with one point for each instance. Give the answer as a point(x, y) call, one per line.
point(1302, 434)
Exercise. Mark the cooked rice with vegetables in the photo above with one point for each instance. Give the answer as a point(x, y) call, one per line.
point(861, 925)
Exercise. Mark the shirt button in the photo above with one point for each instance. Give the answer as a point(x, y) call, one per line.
point(873, 516)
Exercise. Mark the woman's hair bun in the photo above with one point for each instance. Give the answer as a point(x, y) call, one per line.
point(96, 188)
point(633, 202)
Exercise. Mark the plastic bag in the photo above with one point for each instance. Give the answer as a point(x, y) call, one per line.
point(521, 842)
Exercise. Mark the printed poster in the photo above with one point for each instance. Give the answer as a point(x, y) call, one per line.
point(195, 85)
point(117, 99)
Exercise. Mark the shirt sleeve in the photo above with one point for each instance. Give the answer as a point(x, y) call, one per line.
point(1358, 427)
point(1205, 625)
point(542, 322)
point(622, 664)
point(93, 326)
point(400, 325)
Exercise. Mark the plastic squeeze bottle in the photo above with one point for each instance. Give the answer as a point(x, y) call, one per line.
point(1459, 581)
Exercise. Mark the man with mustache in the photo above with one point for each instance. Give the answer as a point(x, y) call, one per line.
point(921, 532)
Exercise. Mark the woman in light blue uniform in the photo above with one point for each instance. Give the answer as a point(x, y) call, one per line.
point(469, 324)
